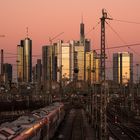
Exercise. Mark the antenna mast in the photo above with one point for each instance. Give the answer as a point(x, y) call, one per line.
point(27, 31)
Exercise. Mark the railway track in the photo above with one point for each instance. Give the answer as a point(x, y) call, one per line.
point(78, 127)
point(120, 130)
point(118, 133)
point(73, 127)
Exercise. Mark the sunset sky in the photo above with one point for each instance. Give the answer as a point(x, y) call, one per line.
point(47, 18)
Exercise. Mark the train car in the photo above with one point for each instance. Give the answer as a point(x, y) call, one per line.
point(61, 113)
point(53, 119)
point(7, 133)
point(20, 129)
point(38, 130)
point(38, 125)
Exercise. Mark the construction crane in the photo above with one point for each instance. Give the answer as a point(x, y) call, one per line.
point(103, 97)
point(51, 39)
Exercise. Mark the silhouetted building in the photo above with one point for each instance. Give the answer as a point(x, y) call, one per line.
point(38, 70)
point(46, 63)
point(20, 63)
point(7, 70)
point(83, 41)
point(123, 67)
point(2, 61)
point(82, 32)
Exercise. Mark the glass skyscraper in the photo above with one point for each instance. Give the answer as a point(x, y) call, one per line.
point(24, 61)
point(123, 67)
point(46, 63)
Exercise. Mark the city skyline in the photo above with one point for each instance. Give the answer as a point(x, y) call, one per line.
point(48, 18)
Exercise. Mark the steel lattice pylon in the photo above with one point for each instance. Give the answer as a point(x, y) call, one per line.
point(103, 97)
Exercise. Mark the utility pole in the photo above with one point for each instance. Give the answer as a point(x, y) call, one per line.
point(103, 97)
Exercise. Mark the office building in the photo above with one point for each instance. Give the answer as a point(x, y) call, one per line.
point(46, 63)
point(92, 67)
point(88, 67)
point(38, 70)
point(24, 61)
point(27, 60)
point(82, 32)
point(83, 41)
point(69, 56)
point(123, 67)
point(62, 55)
point(66, 56)
point(79, 58)
point(20, 63)
point(7, 70)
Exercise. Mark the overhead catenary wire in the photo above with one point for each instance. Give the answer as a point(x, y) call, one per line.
point(93, 28)
point(114, 47)
point(116, 33)
point(122, 39)
point(125, 21)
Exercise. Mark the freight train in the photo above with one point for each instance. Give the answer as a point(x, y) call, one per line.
point(40, 124)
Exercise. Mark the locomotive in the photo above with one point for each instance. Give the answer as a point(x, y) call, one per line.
point(40, 124)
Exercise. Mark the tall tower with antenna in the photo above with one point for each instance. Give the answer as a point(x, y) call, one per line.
point(82, 31)
point(25, 59)
point(26, 32)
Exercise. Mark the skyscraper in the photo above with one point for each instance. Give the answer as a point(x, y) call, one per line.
point(46, 63)
point(66, 57)
point(83, 41)
point(24, 60)
point(27, 60)
point(80, 57)
point(92, 67)
point(38, 70)
point(63, 57)
point(82, 32)
point(123, 67)
point(7, 69)
point(88, 67)
point(20, 62)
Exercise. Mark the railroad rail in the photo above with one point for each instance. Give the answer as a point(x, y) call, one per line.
point(75, 127)
point(122, 130)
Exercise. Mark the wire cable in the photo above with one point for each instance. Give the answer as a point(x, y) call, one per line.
point(125, 21)
point(93, 28)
